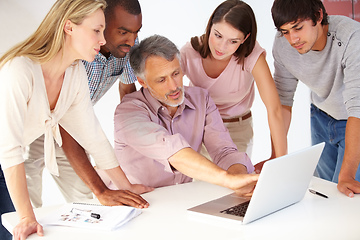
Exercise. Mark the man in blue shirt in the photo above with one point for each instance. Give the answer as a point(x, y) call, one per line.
point(123, 22)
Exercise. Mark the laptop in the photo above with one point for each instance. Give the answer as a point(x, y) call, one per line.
point(282, 182)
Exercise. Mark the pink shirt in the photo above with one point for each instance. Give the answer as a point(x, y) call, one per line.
point(146, 136)
point(233, 90)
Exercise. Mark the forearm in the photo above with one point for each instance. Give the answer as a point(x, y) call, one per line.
point(81, 164)
point(351, 158)
point(286, 114)
point(119, 178)
point(270, 98)
point(278, 133)
point(194, 165)
point(17, 186)
point(286, 117)
point(347, 183)
point(83, 168)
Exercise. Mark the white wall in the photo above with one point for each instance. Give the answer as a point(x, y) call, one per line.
point(179, 21)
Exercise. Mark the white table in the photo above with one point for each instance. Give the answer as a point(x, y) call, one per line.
point(313, 218)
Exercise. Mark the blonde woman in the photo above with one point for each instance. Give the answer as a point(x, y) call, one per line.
point(43, 89)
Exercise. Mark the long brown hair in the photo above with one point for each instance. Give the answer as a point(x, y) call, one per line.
point(240, 16)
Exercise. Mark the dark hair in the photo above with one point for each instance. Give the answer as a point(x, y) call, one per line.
point(155, 45)
point(288, 11)
point(130, 6)
point(240, 16)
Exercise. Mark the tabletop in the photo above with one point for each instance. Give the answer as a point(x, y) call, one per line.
point(167, 217)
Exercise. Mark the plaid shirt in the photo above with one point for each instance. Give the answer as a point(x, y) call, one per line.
point(103, 73)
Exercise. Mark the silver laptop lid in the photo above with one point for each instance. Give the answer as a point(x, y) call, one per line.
point(283, 181)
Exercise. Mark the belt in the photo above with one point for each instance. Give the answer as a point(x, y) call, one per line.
point(238, 119)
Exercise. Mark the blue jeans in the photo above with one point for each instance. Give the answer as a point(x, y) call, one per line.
point(326, 129)
point(5, 206)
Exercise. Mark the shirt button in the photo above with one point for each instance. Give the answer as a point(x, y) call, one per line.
point(339, 43)
point(328, 34)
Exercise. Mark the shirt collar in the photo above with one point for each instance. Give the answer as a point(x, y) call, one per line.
point(101, 58)
point(156, 104)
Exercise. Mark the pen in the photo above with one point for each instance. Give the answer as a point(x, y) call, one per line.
point(85, 213)
point(317, 193)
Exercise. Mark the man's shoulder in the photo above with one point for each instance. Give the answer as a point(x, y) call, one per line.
point(140, 98)
point(341, 21)
point(196, 95)
point(132, 103)
point(342, 26)
point(194, 91)
point(137, 95)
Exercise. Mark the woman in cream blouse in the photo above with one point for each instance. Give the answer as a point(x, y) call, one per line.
point(43, 87)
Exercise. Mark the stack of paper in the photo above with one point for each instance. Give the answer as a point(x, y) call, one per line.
point(91, 216)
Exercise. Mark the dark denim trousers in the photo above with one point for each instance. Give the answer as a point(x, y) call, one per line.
point(325, 128)
point(5, 206)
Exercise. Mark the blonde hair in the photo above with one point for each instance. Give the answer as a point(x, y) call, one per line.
point(48, 39)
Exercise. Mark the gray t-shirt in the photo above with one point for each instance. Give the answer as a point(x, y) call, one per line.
point(333, 74)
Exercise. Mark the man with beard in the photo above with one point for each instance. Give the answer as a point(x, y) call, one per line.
point(159, 130)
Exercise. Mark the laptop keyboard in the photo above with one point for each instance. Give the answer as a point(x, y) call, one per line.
point(237, 210)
